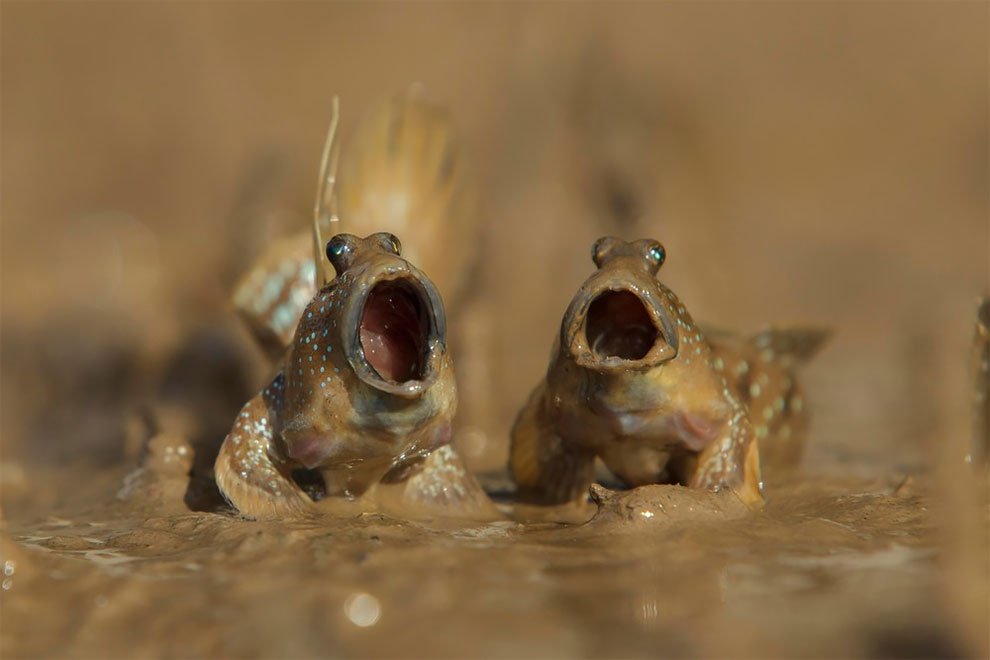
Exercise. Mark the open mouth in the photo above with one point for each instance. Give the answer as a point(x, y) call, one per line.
point(619, 326)
point(394, 331)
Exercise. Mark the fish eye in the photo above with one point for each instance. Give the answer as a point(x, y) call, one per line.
point(657, 254)
point(394, 243)
point(337, 248)
point(602, 247)
point(386, 241)
point(339, 252)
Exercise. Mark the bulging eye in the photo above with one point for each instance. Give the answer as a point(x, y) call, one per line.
point(339, 251)
point(656, 254)
point(602, 247)
point(386, 241)
point(337, 248)
point(394, 243)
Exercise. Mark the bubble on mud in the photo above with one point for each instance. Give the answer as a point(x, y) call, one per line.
point(362, 609)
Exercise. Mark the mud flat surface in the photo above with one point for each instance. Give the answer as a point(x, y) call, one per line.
point(832, 567)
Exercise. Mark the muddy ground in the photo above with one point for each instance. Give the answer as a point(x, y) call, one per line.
point(820, 163)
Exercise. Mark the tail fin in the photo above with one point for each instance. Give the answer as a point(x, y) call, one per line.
point(403, 172)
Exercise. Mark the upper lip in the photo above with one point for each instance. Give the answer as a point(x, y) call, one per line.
point(573, 330)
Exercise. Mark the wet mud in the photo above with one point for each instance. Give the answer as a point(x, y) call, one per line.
point(831, 566)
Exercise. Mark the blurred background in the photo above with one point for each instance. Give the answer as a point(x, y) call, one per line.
point(806, 163)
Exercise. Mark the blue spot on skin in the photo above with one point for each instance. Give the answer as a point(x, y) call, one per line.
point(336, 370)
point(323, 384)
point(309, 315)
point(329, 348)
point(321, 371)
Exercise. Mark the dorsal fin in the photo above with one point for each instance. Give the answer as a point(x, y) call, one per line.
point(325, 209)
point(403, 171)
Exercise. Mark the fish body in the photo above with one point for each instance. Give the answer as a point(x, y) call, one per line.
point(365, 393)
point(634, 381)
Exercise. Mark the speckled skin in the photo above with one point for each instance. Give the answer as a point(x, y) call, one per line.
point(327, 409)
point(677, 414)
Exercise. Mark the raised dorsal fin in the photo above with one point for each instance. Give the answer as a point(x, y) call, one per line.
point(325, 209)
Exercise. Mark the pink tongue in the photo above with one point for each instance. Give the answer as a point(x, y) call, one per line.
point(388, 336)
point(381, 354)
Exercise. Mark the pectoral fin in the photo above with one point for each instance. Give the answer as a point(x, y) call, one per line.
point(544, 469)
point(442, 488)
point(256, 483)
point(733, 462)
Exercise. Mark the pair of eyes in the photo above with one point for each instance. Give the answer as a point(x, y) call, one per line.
point(650, 250)
point(342, 245)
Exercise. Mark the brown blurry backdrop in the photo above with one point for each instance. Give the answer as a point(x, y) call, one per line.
point(823, 163)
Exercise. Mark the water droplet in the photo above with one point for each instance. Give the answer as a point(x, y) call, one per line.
point(362, 609)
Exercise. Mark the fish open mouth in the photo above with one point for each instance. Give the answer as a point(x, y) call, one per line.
point(394, 332)
point(618, 325)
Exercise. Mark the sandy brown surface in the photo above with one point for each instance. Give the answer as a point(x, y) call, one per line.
point(821, 163)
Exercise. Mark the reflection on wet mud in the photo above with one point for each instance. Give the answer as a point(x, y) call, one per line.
point(619, 583)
